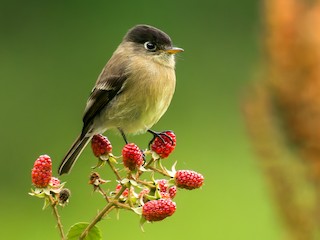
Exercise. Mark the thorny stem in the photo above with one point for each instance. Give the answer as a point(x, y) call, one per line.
point(57, 216)
point(129, 196)
point(114, 170)
point(100, 215)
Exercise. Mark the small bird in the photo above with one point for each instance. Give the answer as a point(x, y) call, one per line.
point(132, 92)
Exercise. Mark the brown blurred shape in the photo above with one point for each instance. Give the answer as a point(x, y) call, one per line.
point(282, 112)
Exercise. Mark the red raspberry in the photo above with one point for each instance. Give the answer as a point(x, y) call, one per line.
point(164, 188)
point(42, 171)
point(125, 192)
point(172, 192)
point(164, 148)
point(163, 185)
point(143, 192)
point(165, 195)
point(132, 156)
point(54, 182)
point(157, 210)
point(100, 145)
point(188, 179)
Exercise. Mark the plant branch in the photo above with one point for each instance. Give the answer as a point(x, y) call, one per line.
point(57, 216)
point(122, 205)
point(103, 193)
point(148, 184)
point(100, 215)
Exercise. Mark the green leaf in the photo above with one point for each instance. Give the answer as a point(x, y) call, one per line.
point(76, 230)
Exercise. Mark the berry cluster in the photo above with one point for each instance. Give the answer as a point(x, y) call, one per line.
point(134, 190)
point(152, 199)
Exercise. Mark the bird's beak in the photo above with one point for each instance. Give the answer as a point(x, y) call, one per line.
point(173, 50)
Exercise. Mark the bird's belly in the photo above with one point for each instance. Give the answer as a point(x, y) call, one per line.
point(138, 107)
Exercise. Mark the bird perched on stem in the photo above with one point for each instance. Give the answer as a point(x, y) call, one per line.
point(133, 90)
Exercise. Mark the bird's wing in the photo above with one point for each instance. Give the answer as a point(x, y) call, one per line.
point(107, 87)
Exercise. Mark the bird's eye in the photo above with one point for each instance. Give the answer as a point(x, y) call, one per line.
point(150, 46)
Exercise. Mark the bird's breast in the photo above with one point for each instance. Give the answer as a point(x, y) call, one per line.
point(145, 97)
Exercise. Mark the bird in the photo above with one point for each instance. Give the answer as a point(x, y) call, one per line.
point(132, 92)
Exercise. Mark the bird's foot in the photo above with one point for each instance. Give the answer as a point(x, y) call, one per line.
point(159, 135)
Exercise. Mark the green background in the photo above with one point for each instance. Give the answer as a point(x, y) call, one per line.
point(51, 54)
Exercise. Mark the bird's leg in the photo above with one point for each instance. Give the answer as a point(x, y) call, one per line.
point(123, 135)
point(159, 135)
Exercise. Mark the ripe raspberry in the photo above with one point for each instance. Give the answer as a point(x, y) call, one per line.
point(172, 192)
point(157, 210)
point(132, 156)
point(164, 148)
point(54, 182)
point(42, 171)
point(163, 185)
point(188, 179)
point(100, 145)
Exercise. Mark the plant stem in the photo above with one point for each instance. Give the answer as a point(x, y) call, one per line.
point(129, 195)
point(96, 220)
point(159, 171)
point(148, 184)
point(122, 205)
point(114, 170)
point(103, 193)
point(149, 163)
point(146, 166)
point(100, 215)
point(57, 216)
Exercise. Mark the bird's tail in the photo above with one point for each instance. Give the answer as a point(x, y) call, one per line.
point(72, 155)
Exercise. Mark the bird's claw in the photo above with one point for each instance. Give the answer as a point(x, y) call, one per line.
point(159, 135)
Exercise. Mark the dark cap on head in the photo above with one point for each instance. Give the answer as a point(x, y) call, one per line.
point(145, 33)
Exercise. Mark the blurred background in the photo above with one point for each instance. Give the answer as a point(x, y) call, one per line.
point(51, 54)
